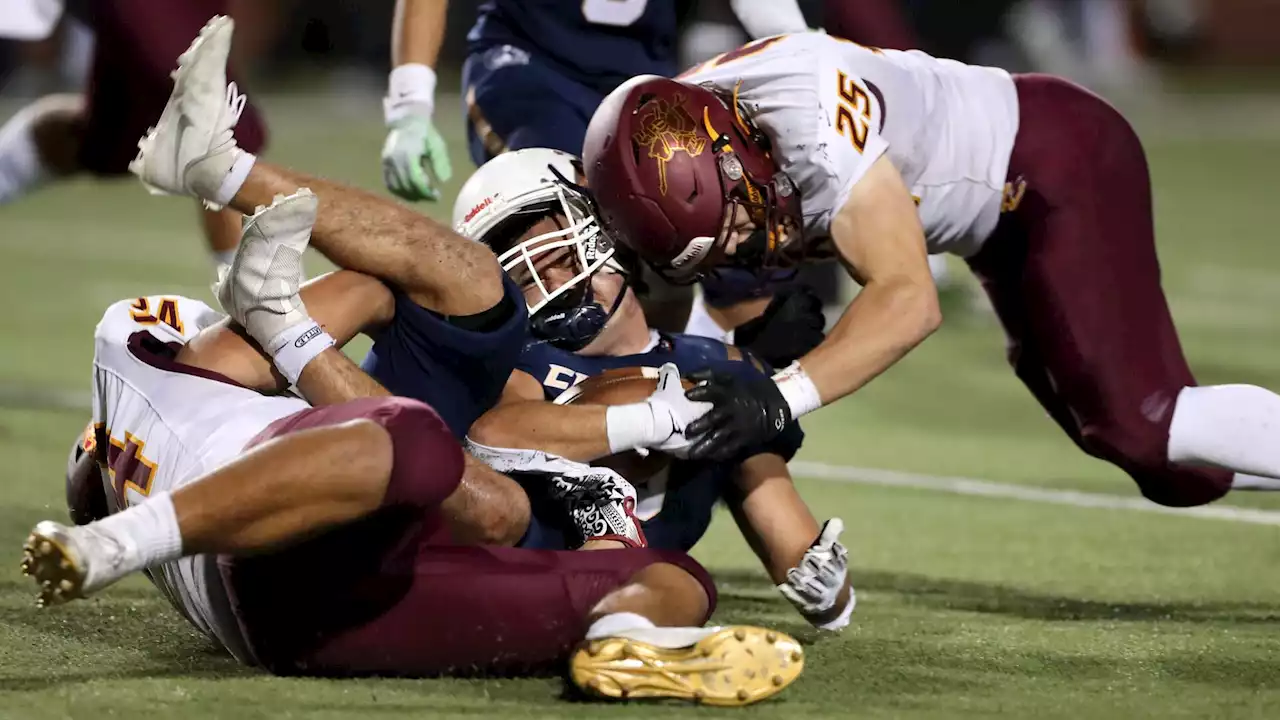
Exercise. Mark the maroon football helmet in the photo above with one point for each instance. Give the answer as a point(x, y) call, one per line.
point(668, 163)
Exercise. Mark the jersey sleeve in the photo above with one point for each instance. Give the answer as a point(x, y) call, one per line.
point(849, 139)
point(459, 372)
point(171, 318)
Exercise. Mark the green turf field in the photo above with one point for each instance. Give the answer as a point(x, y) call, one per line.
point(969, 606)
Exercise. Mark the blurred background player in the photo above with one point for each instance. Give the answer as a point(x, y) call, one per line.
point(136, 44)
point(534, 73)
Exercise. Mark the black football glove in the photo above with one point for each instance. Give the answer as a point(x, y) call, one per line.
point(745, 414)
point(789, 328)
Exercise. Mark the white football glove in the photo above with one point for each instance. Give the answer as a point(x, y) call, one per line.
point(672, 413)
point(814, 585)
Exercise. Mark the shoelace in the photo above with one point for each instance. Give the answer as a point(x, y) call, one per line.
point(235, 102)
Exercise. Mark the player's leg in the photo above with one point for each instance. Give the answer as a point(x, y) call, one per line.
point(190, 151)
point(491, 610)
point(262, 291)
point(313, 470)
point(514, 100)
point(137, 45)
point(1093, 317)
point(39, 143)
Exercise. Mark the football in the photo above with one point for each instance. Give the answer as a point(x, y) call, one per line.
point(622, 386)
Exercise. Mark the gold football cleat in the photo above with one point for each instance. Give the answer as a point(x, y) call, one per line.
point(730, 667)
point(45, 558)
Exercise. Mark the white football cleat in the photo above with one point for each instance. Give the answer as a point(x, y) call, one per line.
point(260, 289)
point(71, 562)
point(191, 148)
point(725, 666)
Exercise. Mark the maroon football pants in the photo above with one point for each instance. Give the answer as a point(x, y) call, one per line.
point(388, 595)
point(137, 44)
point(1073, 275)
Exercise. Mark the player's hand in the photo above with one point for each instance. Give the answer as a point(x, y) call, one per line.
point(814, 585)
point(746, 413)
point(412, 146)
point(602, 504)
point(791, 326)
point(672, 413)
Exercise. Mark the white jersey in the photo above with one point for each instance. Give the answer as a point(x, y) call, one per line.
point(168, 425)
point(832, 108)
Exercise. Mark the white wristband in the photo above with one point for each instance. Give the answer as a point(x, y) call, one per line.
point(842, 620)
point(629, 427)
point(296, 346)
point(411, 86)
point(798, 390)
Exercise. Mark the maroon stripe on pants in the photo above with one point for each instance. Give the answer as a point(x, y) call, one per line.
point(136, 46)
point(1073, 275)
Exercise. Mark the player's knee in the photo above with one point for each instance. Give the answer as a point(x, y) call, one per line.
point(488, 508)
point(427, 459)
point(1140, 447)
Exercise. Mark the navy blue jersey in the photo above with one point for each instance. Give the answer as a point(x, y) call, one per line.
point(600, 43)
point(676, 513)
point(458, 372)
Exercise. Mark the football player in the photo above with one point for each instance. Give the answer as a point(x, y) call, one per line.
point(315, 540)
point(586, 320)
point(136, 44)
point(802, 147)
point(535, 71)
point(448, 325)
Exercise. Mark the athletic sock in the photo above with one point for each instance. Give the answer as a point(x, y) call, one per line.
point(147, 533)
point(614, 623)
point(1236, 427)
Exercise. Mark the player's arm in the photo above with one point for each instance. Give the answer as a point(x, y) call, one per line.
point(345, 303)
point(413, 142)
point(879, 239)
point(523, 419)
point(806, 560)
point(584, 432)
point(765, 19)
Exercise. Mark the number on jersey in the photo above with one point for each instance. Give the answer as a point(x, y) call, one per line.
point(166, 312)
point(617, 13)
point(853, 113)
point(128, 468)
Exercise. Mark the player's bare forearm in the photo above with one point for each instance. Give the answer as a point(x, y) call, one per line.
point(573, 432)
point(345, 303)
point(417, 32)
point(332, 378)
point(773, 518)
point(436, 267)
point(880, 240)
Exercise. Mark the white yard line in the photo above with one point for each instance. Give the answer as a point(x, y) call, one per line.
point(986, 488)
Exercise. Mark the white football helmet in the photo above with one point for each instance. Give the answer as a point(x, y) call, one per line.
point(512, 191)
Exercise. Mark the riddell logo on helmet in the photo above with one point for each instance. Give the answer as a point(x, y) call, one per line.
point(476, 210)
point(666, 129)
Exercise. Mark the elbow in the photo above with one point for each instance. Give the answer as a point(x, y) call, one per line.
point(919, 310)
point(493, 430)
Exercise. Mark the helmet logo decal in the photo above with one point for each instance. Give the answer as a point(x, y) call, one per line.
point(476, 210)
point(666, 129)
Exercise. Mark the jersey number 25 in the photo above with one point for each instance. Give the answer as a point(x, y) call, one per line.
point(853, 113)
